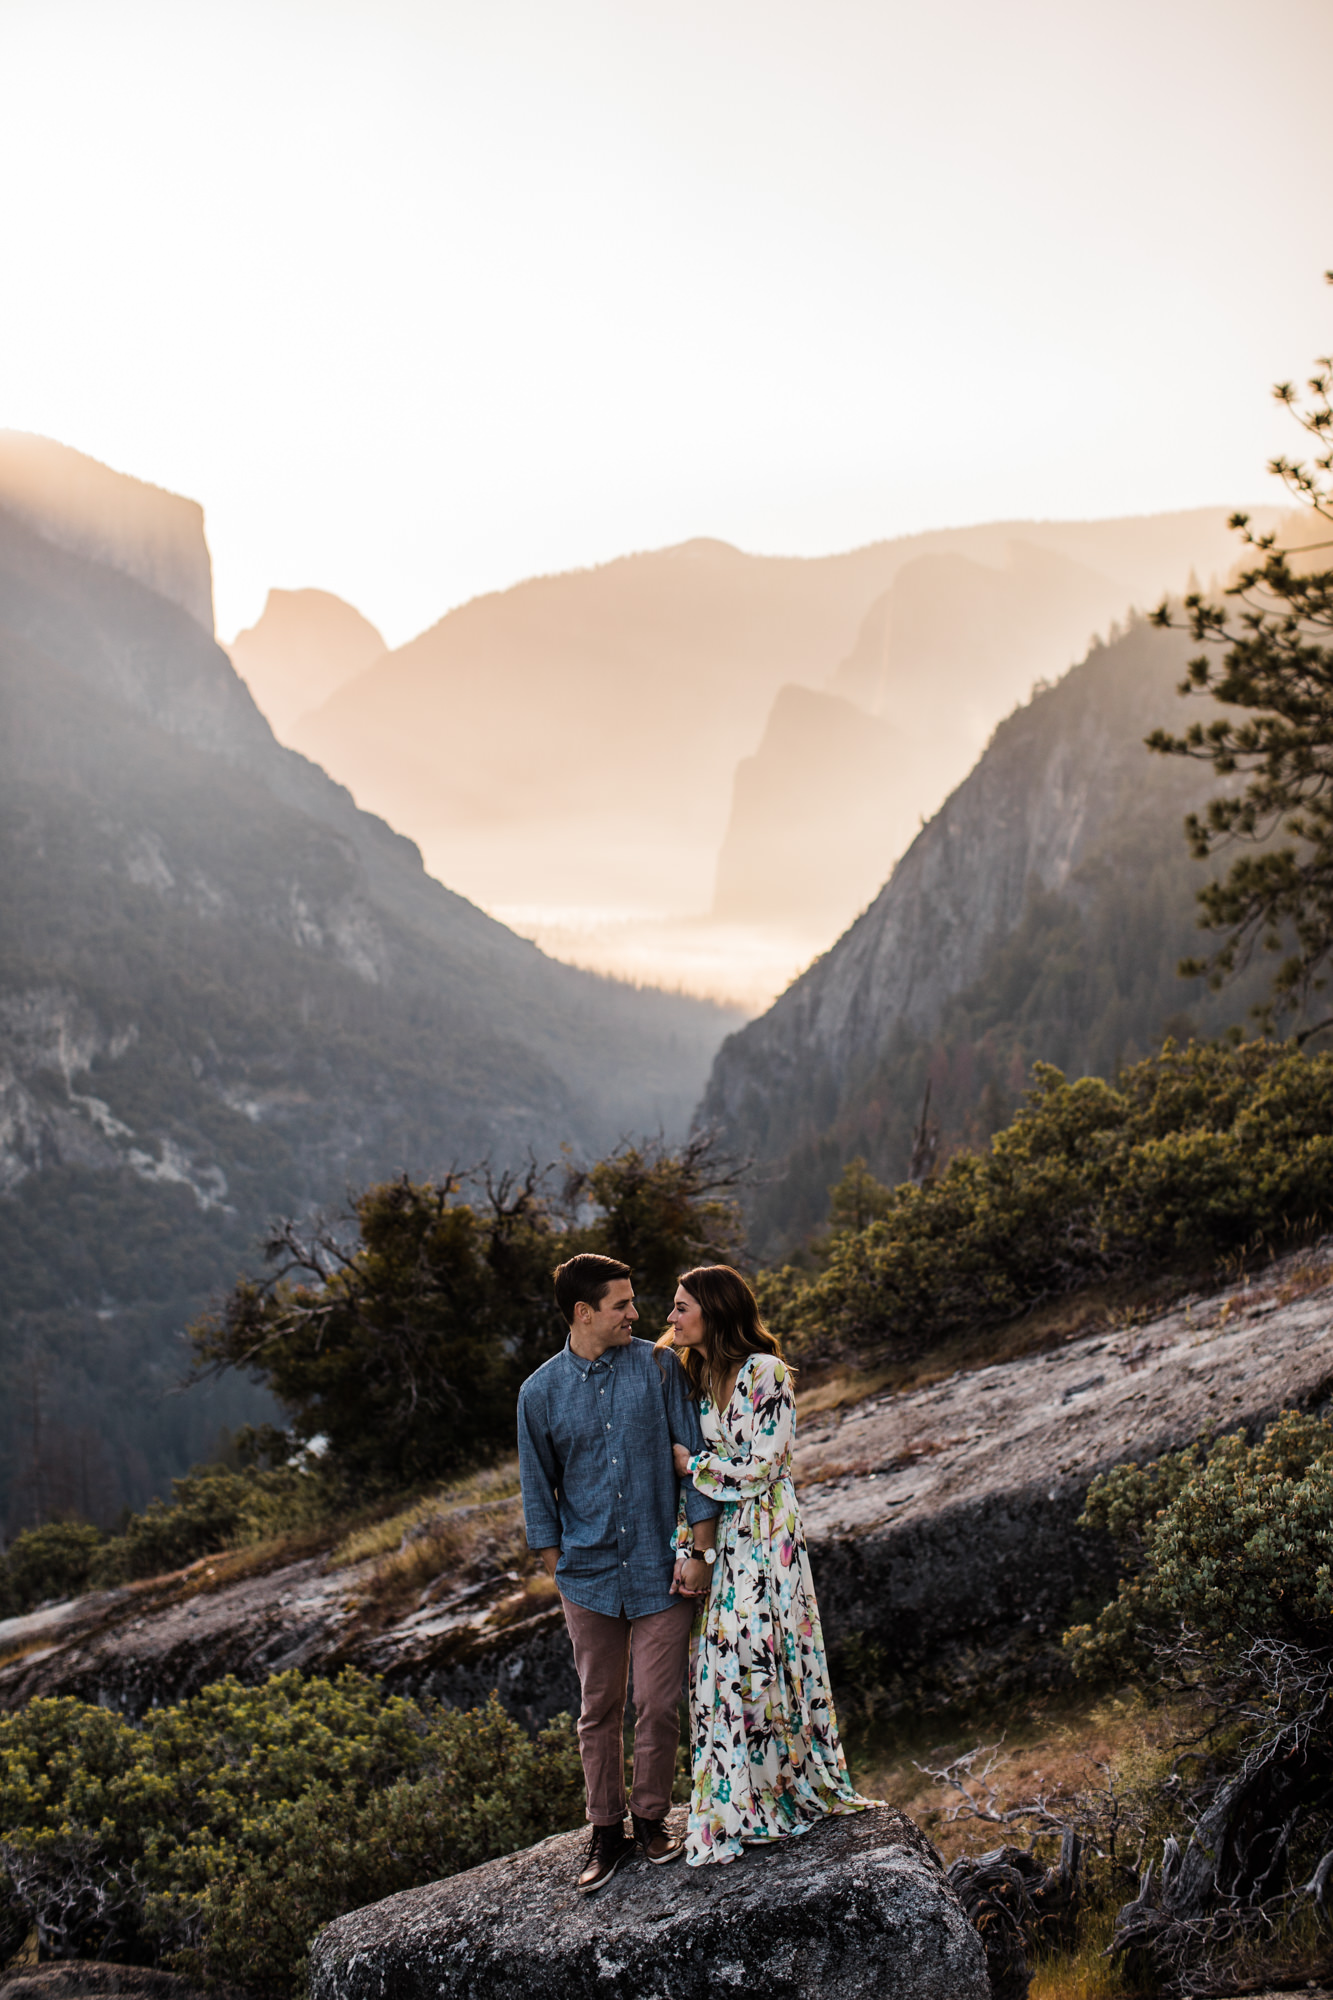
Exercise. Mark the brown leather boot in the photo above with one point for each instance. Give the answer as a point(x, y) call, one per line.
point(658, 1845)
point(607, 1848)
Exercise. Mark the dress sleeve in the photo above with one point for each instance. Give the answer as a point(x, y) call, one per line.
point(769, 1432)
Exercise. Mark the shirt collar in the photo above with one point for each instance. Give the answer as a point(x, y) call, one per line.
point(585, 1368)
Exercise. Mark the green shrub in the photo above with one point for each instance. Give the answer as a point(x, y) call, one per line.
point(218, 1836)
point(1188, 1154)
point(1230, 1541)
point(211, 1508)
point(54, 1561)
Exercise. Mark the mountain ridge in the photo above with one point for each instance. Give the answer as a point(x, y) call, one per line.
point(1058, 858)
point(481, 735)
point(226, 993)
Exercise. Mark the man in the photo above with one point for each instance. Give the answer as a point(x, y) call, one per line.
point(596, 1424)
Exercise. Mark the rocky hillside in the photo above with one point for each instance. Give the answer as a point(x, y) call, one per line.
point(225, 992)
point(1041, 914)
point(942, 1524)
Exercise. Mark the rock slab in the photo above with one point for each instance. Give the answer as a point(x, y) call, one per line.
point(857, 1908)
point(88, 1979)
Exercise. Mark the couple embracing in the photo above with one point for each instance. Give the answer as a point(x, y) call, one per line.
point(657, 1491)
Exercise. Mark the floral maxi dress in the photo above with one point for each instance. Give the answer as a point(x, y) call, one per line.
point(766, 1759)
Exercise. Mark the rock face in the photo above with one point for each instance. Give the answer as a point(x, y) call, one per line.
point(81, 505)
point(817, 862)
point(1041, 915)
point(1054, 776)
point(943, 1522)
point(842, 780)
point(856, 1910)
point(161, 1642)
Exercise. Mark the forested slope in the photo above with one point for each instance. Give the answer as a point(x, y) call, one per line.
point(225, 993)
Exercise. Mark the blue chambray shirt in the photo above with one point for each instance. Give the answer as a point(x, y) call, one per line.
point(594, 1457)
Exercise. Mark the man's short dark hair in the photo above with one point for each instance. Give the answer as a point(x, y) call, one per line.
point(584, 1279)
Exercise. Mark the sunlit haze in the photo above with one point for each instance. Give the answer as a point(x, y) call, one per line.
point(419, 300)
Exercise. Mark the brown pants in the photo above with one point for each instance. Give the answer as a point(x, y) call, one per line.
point(603, 1649)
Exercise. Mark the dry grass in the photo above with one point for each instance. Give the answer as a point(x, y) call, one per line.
point(538, 1593)
point(22, 1649)
point(1063, 1748)
point(858, 1468)
point(1058, 1748)
point(1086, 1973)
point(848, 1385)
point(1306, 1277)
point(377, 1538)
point(463, 1533)
point(254, 1559)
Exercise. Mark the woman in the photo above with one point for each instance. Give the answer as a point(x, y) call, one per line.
point(766, 1757)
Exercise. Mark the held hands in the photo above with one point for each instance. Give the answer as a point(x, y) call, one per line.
point(692, 1577)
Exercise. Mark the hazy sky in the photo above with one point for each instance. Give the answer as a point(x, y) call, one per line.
point(419, 299)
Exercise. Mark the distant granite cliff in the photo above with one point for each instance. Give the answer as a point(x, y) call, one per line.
point(304, 647)
point(813, 814)
point(1040, 914)
point(83, 506)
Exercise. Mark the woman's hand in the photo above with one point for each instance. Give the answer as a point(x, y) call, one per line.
point(681, 1459)
point(692, 1578)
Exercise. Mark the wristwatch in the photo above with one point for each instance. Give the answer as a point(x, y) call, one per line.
point(706, 1555)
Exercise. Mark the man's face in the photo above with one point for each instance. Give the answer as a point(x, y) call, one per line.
point(613, 1321)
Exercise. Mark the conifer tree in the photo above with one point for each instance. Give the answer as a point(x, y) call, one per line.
point(1270, 657)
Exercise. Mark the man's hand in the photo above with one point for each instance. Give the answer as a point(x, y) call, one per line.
point(693, 1578)
point(548, 1559)
point(681, 1459)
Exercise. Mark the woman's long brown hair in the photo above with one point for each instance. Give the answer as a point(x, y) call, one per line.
point(732, 1329)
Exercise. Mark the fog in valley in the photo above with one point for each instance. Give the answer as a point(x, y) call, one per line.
point(694, 767)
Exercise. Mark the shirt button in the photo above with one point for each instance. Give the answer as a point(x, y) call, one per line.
point(608, 1427)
